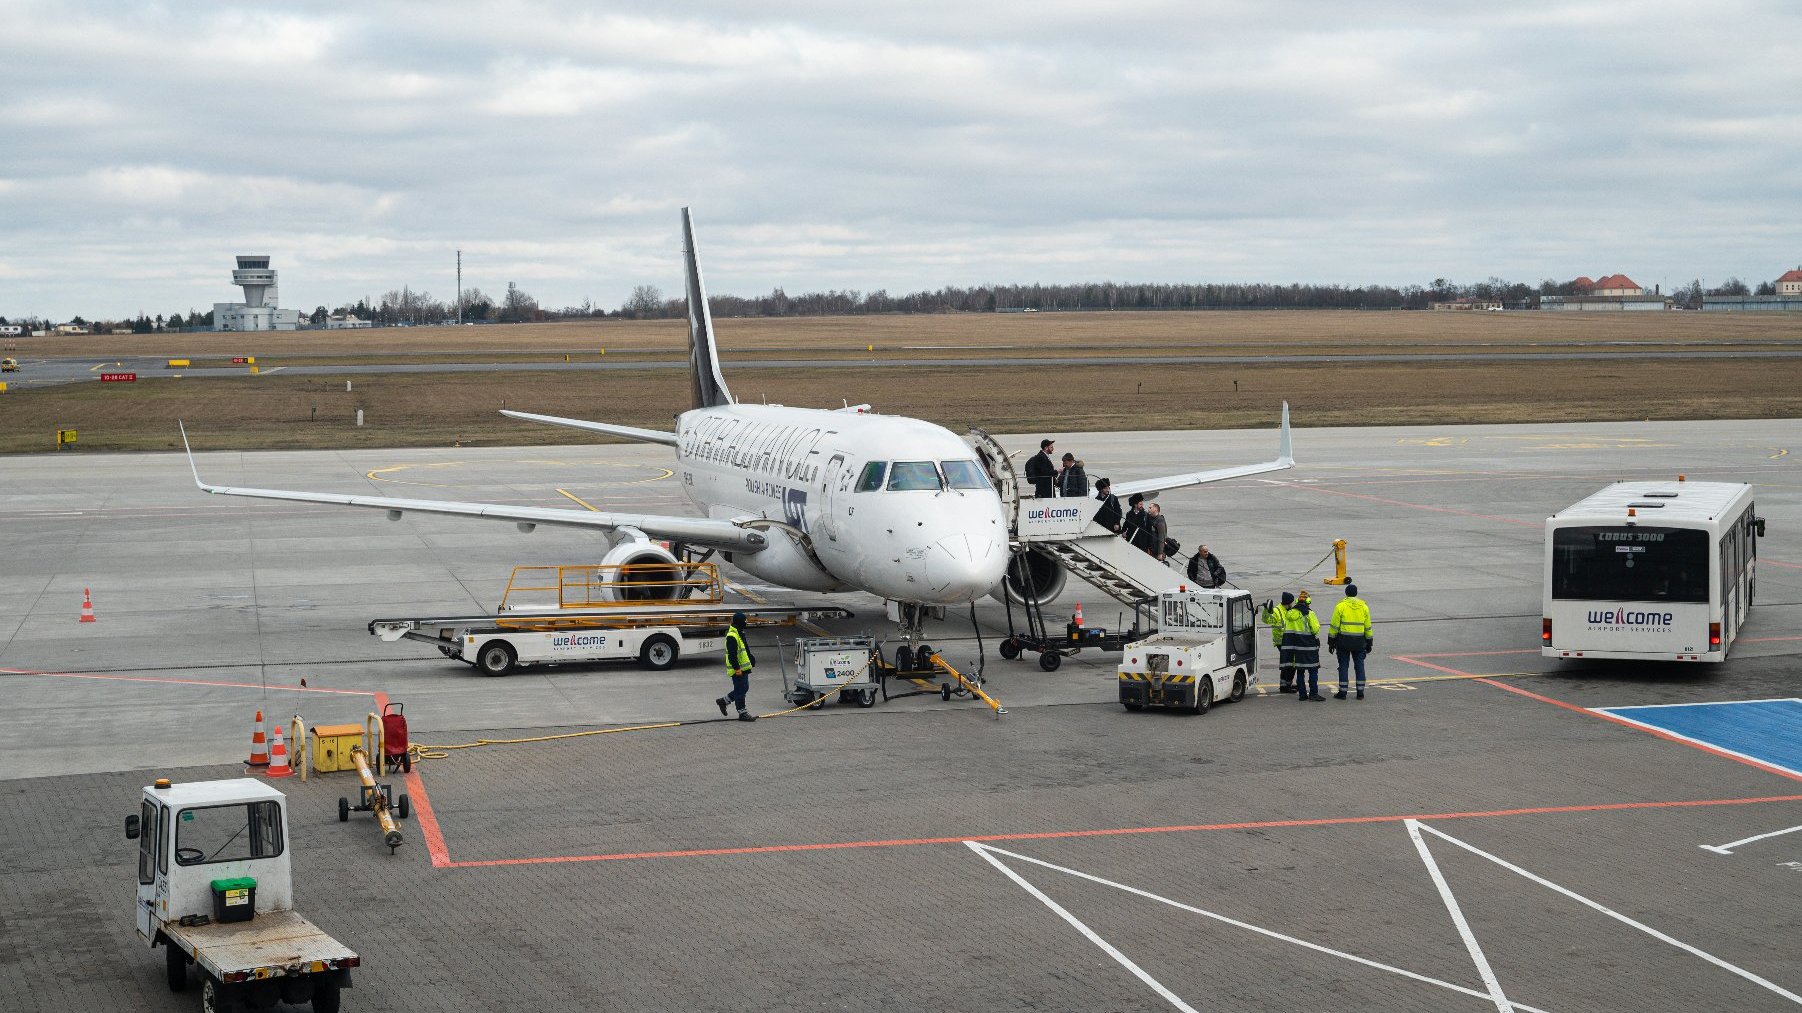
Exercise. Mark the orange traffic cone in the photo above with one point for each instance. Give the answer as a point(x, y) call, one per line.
point(278, 757)
point(259, 746)
point(87, 606)
point(1077, 619)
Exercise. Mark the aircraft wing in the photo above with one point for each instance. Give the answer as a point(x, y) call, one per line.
point(699, 531)
point(1285, 459)
point(608, 428)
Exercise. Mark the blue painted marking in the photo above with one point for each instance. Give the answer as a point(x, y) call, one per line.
point(1769, 731)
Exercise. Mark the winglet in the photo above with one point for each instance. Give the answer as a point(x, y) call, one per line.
point(1285, 453)
point(191, 465)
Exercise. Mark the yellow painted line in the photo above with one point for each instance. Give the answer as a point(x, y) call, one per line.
point(580, 500)
point(1781, 452)
point(1405, 680)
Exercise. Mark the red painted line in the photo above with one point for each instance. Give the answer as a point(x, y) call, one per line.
point(1414, 506)
point(182, 682)
point(421, 805)
point(1773, 562)
point(1529, 694)
point(1765, 640)
point(1117, 832)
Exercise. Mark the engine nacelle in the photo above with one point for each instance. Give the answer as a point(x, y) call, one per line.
point(638, 552)
point(784, 562)
point(1048, 577)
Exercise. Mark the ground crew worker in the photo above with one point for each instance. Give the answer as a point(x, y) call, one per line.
point(738, 665)
point(1276, 617)
point(1041, 471)
point(1350, 636)
point(1301, 646)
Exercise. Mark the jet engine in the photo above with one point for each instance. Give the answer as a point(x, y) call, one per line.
point(640, 585)
point(1046, 575)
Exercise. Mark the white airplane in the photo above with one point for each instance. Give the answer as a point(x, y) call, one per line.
point(804, 498)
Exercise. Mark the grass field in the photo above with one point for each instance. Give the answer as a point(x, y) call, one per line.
point(1042, 332)
point(441, 409)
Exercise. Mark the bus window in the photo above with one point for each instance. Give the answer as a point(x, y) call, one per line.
point(964, 475)
point(871, 479)
point(913, 476)
point(1630, 564)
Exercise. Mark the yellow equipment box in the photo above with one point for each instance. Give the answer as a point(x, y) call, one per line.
point(332, 745)
point(177, 364)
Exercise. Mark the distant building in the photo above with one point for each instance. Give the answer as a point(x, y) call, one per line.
point(1609, 293)
point(258, 311)
point(1787, 300)
point(71, 329)
point(346, 323)
point(11, 330)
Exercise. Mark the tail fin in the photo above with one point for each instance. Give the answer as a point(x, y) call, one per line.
point(703, 356)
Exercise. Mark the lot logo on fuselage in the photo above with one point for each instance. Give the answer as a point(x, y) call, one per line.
point(794, 508)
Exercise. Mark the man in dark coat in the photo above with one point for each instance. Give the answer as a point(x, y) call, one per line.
point(1205, 569)
point(1135, 528)
point(1159, 529)
point(1041, 471)
point(1072, 478)
point(1109, 516)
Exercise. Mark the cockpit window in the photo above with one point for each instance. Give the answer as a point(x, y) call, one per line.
point(964, 475)
point(911, 476)
point(871, 479)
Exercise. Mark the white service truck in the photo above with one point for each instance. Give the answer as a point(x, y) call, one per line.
point(215, 891)
point(1205, 650)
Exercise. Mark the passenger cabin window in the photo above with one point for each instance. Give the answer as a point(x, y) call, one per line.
point(913, 476)
point(964, 475)
point(228, 833)
point(871, 479)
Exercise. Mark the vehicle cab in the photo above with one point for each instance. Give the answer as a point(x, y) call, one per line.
point(1205, 650)
point(215, 889)
point(9, 365)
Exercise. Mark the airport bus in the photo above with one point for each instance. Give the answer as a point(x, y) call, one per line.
point(1650, 571)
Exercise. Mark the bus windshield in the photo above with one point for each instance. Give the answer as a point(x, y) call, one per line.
point(1630, 564)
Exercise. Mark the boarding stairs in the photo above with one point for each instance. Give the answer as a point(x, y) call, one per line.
point(1063, 530)
point(1114, 566)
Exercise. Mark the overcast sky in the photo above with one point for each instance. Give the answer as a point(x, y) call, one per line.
point(899, 146)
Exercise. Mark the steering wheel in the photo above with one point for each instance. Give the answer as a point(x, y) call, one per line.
point(189, 856)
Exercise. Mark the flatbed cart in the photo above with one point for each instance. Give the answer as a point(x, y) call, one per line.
point(1052, 649)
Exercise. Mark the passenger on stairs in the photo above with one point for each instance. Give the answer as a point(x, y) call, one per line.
point(1109, 516)
point(1135, 528)
point(1205, 569)
point(1072, 478)
point(1041, 471)
point(1159, 542)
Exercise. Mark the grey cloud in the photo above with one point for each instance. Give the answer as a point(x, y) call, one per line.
point(895, 146)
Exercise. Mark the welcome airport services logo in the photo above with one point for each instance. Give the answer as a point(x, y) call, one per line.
point(1621, 619)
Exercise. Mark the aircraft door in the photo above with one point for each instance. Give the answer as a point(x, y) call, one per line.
point(832, 500)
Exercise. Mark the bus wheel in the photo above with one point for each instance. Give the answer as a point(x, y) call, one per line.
point(1204, 695)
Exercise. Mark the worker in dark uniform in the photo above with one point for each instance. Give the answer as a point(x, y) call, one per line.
point(1301, 647)
point(1109, 516)
point(1041, 471)
point(1350, 635)
point(738, 665)
point(1277, 618)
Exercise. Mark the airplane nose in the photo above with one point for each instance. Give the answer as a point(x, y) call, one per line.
point(964, 567)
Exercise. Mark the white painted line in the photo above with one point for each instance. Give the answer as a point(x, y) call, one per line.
point(1247, 926)
point(1496, 995)
point(1727, 849)
point(1106, 947)
point(271, 370)
point(1714, 746)
point(1700, 703)
point(1617, 916)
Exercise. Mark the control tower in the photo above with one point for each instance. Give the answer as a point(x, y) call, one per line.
point(256, 278)
point(258, 311)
